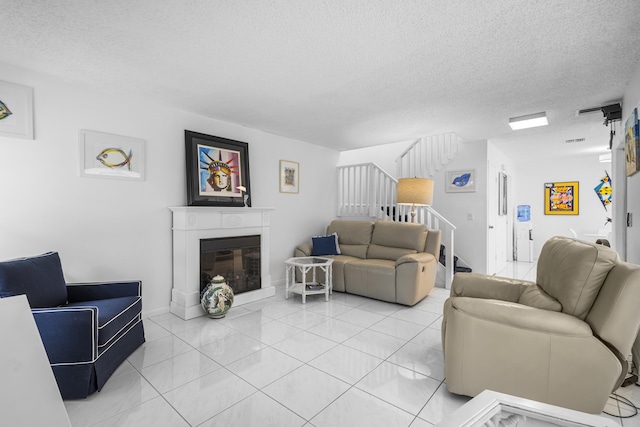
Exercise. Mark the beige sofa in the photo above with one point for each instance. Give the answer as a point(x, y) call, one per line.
point(385, 260)
point(563, 340)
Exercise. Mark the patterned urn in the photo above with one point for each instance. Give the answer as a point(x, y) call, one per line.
point(217, 298)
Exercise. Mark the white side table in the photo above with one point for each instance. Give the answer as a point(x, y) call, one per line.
point(304, 265)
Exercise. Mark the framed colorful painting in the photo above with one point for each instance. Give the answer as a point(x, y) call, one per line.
point(217, 170)
point(289, 177)
point(103, 155)
point(16, 111)
point(462, 181)
point(561, 198)
point(632, 143)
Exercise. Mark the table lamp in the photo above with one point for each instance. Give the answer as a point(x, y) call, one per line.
point(415, 192)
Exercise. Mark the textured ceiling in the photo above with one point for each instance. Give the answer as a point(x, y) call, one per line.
point(343, 74)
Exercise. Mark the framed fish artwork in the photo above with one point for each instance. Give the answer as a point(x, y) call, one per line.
point(561, 198)
point(217, 171)
point(16, 111)
point(461, 181)
point(103, 155)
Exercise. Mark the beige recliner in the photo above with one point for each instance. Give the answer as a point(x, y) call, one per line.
point(563, 340)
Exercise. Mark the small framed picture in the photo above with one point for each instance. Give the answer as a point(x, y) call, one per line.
point(289, 176)
point(103, 155)
point(461, 181)
point(16, 111)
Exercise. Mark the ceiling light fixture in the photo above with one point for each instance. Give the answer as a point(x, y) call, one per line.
point(605, 158)
point(529, 121)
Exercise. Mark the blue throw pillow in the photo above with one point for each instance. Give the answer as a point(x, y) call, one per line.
point(40, 278)
point(325, 245)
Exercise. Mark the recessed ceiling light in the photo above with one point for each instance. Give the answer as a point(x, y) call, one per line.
point(528, 121)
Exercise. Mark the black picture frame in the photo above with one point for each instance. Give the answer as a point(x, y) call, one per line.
point(216, 167)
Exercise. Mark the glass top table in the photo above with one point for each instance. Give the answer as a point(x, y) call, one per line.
point(493, 409)
point(314, 273)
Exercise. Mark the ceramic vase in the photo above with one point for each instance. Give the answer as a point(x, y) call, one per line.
point(217, 298)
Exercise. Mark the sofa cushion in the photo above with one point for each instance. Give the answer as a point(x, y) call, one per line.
point(399, 235)
point(357, 251)
point(339, 263)
point(572, 272)
point(325, 245)
point(40, 278)
point(387, 252)
point(114, 315)
point(352, 232)
point(373, 278)
point(353, 236)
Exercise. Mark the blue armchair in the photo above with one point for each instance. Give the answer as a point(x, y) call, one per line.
point(88, 329)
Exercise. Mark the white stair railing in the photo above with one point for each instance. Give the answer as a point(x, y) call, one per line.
point(366, 190)
point(428, 155)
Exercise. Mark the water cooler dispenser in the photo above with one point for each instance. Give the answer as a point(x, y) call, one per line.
point(524, 234)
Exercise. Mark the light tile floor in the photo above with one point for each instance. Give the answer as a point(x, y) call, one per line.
point(351, 361)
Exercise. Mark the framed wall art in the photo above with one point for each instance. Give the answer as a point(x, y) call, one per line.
point(216, 168)
point(561, 198)
point(461, 181)
point(503, 193)
point(632, 143)
point(289, 177)
point(16, 111)
point(103, 155)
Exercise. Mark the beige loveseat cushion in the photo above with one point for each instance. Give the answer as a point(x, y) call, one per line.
point(353, 236)
point(572, 272)
point(399, 235)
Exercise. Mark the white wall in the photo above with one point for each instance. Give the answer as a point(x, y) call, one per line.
point(629, 102)
point(112, 230)
point(529, 190)
point(470, 235)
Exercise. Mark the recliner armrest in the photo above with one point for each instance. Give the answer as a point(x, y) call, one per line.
point(78, 292)
point(69, 334)
point(478, 285)
point(520, 316)
point(417, 257)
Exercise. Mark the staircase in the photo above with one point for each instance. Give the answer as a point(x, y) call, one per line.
point(365, 190)
point(428, 155)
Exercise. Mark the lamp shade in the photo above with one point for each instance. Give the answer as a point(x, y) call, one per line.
point(415, 191)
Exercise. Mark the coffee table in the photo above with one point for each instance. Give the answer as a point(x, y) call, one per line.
point(305, 265)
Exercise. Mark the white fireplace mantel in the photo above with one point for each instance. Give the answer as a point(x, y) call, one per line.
point(193, 223)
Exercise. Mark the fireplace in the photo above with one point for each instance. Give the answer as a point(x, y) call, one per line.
point(237, 259)
point(199, 248)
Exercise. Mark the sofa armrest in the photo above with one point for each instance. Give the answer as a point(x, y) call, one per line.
point(78, 292)
point(432, 245)
point(415, 277)
point(478, 285)
point(304, 249)
point(69, 334)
